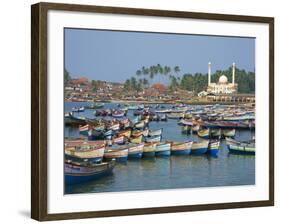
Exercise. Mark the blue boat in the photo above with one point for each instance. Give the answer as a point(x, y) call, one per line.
point(163, 149)
point(117, 152)
point(76, 173)
point(199, 148)
point(136, 151)
point(149, 149)
point(181, 148)
point(213, 148)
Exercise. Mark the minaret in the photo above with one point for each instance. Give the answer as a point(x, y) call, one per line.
point(209, 73)
point(233, 73)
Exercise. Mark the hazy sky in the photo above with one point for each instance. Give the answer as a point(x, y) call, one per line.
point(115, 56)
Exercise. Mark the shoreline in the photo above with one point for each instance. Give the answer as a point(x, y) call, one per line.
point(164, 102)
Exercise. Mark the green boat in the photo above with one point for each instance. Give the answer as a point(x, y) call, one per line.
point(236, 147)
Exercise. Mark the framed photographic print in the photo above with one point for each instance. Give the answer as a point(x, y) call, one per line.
point(140, 111)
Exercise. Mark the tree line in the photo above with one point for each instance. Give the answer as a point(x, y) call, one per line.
point(191, 82)
point(196, 83)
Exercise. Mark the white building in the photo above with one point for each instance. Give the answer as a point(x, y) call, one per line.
point(223, 86)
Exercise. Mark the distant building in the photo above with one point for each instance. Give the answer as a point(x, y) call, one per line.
point(203, 93)
point(223, 86)
point(79, 81)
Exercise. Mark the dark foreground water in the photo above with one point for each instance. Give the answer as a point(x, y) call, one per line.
point(173, 172)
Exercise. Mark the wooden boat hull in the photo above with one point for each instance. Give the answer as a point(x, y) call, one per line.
point(155, 133)
point(163, 149)
point(163, 153)
point(126, 133)
point(140, 125)
point(228, 133)
point(236, 147)
point(91, 155)
point(135, 155)
point(241, 150)
point(153, 139)
point(216, 133)
point(120, 155)
point(136, 151)
point(79, 159)
point(181, 148)
point(83, 130)
point(213, 148)
point(149, 150)
point(81, 175)
point(137, 140)
point(205, 133)
point(199, 148)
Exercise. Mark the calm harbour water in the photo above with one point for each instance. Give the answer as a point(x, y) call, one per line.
point(173, 172)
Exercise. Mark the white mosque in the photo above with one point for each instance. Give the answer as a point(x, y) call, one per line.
point(223, 86)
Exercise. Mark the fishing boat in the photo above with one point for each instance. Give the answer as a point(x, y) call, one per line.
point(99, 127)
point(215, 133)
point(140, 125)
point(84, 152)
point(236, 147)
point(119, 140)
point(118, 114)
point(120, 153)
point(71, 120)
point(135, 150)
point(137, 139)
point(158, 132)
point(213, 147)
point(108, 134)
point(175, 115)
point(163, 149)
point(125, 133)
point(228, 132)
point(124, 109)
point(153, 139)
point(78, 109)
point(102, 113)
point(76, 173)
point(137, 133)
point(181, 148)
point(83, 130)
point(204, 133)
point(226, 124)
point(199, 148)
point(114, 126)
point(95, 106)
point(185, 122)
point(163, 111)
point(149, 149)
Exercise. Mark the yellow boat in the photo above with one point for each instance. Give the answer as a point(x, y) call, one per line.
point(204, 133)
point(136, 140)
point(125, 133)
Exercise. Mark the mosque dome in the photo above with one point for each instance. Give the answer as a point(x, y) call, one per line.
point(223, 79)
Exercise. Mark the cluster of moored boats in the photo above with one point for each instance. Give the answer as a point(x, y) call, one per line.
point(107, 141)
